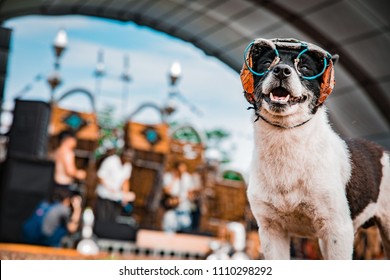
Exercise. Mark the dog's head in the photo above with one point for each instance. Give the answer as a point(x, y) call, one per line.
point(287, 80)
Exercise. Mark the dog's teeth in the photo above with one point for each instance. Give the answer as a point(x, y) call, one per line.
point(287, 98)
point(271, 96)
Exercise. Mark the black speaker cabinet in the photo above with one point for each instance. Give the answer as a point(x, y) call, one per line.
point(5, 37)
point(29, 131)
point(113, 230)
point(24, 183)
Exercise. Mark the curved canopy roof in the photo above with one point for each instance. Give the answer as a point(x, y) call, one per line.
point(358, 30)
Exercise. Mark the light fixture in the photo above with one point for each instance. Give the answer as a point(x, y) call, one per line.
point(60, 42)
point(54, 80)
point(59, 45)
point(175, 72)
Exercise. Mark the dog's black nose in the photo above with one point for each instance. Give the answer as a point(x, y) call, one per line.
point(282, 71)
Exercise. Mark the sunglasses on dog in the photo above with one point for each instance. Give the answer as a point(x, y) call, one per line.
point(323, 57)
point(291, 45)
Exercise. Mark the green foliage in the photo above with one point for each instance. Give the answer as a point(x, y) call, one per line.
point(105, 117)
point(217, 134)
point(187, 134)
point(215, 139)
point(110, 129)
point(232, 175)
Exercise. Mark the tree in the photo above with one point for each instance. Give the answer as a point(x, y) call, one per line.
point(111, 131)
point(215, 139)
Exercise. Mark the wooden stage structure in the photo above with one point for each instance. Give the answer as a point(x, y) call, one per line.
point(149, 245)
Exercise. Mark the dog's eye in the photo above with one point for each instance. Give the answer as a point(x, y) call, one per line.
point(267, 63)
point(304, 67)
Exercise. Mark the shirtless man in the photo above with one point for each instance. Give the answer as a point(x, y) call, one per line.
point(64, 157)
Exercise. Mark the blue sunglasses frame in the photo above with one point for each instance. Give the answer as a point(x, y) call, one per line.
point(296, 61)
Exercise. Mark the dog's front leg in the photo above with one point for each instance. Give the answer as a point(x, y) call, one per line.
point(337, 243)
point(275, 244)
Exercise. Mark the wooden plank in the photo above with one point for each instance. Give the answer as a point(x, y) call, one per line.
point(24, 251)
point(90, 131)
point(159, 240)
point(192, 154)
point(137, 137)
point(228, 201)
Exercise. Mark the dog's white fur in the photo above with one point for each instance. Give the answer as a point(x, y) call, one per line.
point(298, 180)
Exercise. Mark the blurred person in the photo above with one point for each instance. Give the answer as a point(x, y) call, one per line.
point(195, 198)
point(65, 166)
point(54, 219)
point(113, 189)
point(178, 185)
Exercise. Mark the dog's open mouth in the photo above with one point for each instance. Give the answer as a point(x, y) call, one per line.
point(281, 96)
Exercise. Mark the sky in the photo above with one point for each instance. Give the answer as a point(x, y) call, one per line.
point(210, 85)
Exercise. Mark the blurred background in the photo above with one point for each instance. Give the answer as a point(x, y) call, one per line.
point(160, 79)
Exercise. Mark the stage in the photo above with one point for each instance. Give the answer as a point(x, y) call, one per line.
point(151, 245)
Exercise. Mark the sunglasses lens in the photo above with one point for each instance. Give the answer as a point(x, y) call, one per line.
point(261, 58)
point(311, 64)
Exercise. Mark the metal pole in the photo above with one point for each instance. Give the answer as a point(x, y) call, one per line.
point(125, 98)
point(99, 73)
point(126, 78)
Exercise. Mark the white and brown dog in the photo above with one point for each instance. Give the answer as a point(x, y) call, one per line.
point(305, 180)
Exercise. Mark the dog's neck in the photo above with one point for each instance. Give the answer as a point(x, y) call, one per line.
point(281, 126)
point(299, 131)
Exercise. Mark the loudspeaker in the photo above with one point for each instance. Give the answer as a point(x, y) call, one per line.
point(113, 230)
point(25, 182)
point(5, 36)
point(29, 131)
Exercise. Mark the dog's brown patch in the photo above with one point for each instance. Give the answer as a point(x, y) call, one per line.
point(301, 220)
point(363, 186)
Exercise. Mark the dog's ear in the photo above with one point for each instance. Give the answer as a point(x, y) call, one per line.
point(247, 80)
point(335, 59)
point(328, 83)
